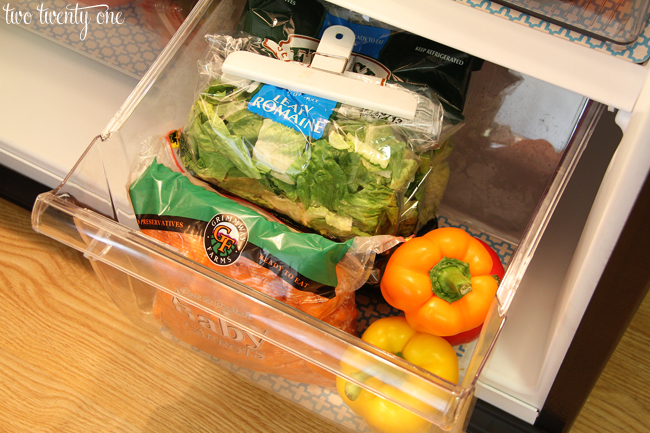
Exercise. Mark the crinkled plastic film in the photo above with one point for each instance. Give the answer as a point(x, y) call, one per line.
point(304, 270)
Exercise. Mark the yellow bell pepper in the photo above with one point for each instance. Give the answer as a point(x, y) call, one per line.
point(427, 351)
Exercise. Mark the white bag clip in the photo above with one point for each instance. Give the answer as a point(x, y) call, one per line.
point(325, 77)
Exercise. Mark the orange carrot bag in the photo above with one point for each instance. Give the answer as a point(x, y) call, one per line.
point(304, 270)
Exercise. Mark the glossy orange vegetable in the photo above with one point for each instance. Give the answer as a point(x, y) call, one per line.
point(442, 281)
point(472, 334)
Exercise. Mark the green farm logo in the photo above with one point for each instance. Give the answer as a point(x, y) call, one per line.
point(224, 239)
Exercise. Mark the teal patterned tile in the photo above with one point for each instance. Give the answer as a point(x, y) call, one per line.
point(130, 46)
point(637, 52)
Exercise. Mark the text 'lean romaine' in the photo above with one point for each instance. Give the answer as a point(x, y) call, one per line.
point(305, 113)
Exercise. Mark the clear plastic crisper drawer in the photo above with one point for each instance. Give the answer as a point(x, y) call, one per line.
point(509, 165)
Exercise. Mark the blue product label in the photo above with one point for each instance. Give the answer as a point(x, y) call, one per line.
point(305, 113)
point(368, 40)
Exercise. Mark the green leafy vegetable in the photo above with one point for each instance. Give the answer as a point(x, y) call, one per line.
point(355, 180)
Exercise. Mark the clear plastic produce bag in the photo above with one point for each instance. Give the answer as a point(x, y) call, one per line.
point(338, 170)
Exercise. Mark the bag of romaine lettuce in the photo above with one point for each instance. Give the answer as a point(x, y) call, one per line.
point(336, 169)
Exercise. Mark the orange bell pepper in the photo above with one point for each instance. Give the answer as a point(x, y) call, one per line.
point(443, 281)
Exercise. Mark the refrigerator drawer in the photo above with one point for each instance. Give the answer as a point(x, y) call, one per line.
point(509, 166)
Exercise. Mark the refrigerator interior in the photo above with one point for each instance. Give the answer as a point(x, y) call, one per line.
point(510, 166)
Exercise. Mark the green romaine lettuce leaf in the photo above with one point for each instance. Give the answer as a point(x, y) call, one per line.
point(353, 181)
point(278, 147)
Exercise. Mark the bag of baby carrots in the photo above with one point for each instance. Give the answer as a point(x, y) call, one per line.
point(304, 270)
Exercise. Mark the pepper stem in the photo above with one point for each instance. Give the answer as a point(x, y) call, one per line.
point(379, 371)
point(352, 390)
point(450, 279)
